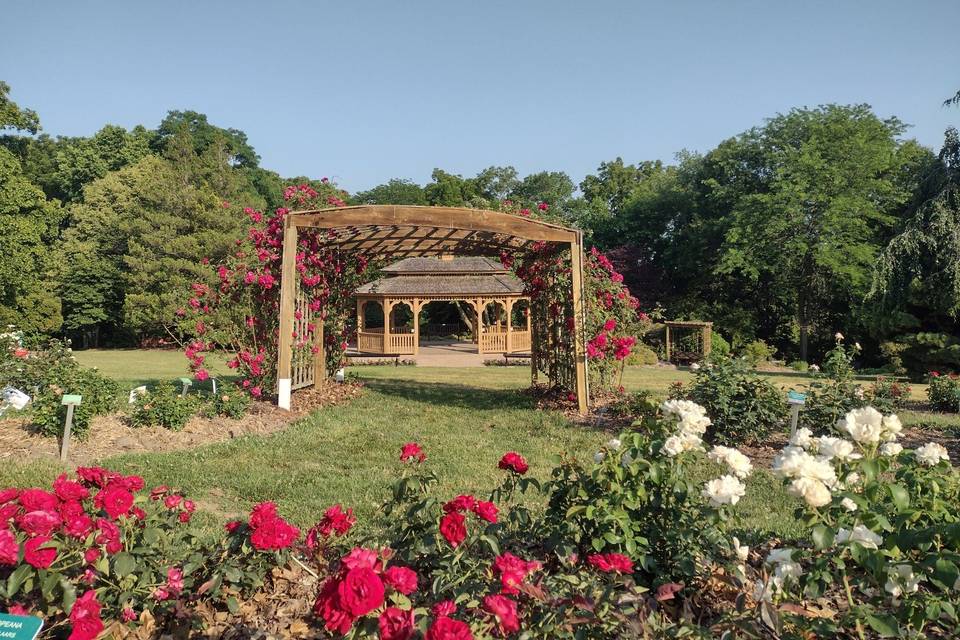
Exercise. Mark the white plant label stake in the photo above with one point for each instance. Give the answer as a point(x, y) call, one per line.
point(70, 401)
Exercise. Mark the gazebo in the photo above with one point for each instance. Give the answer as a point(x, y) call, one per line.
point(483, 283)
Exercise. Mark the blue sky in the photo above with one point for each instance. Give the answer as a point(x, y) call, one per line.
point(363, 91)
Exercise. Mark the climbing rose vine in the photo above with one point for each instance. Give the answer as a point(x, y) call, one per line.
point(238, 310)
point(613, 316)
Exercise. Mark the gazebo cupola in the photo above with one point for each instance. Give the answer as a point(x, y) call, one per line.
point(483, 283)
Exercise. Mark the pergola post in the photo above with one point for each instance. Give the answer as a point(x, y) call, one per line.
point(387, 316)
point(288, 294)
point(667, 343)
point(579, 313)
point(320, 355)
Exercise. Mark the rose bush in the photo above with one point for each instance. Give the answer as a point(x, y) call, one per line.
point(883, 528)
point(744, 407)
point(237, 310)
point(943, 391)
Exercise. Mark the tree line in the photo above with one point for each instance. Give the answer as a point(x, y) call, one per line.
point(815, 221)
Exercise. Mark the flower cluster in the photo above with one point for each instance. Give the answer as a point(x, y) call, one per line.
point(78, 535)
point(335, 521)
point(453, 525)
point(691, 423)
point(360, 588)
point(237, 308)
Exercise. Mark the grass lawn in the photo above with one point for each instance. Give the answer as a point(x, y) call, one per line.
point(465, 418)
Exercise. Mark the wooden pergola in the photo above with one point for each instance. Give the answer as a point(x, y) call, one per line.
point(415, 282)
point(703, 331)
point(397, 231)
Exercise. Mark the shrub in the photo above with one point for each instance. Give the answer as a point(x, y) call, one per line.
point(887, 394)
point(164, 407)
point(758, 352)
point(799, 365)
point(637, 499)
point(641, 354)
point(943, 391)
point(744, 406)
point(833, 392)
point(883, 528)
point(232, 404)
point(719, 344)
point(96, 546)
point(640, 405)
point(50, 371)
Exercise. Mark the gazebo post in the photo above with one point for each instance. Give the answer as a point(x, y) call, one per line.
point(415, 304)
point(576, 281)
point(288, 294)
point(387, 313)
point(508, 305)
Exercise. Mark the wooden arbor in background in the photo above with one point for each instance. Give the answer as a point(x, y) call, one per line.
point(407, 231)
point(703, 341)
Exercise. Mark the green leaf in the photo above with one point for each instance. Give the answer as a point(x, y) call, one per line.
point(901, 498)
point(232, 604)
point(123, 564)
point(822, 536)
point(16, 579)
point(887, 626)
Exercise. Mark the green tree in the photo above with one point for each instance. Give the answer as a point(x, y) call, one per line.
point(395, 191)
point(825, 198)
point(12, 116)
point(203, 135)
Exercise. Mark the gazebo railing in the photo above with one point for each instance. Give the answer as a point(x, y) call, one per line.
point(519, 340)
point(370, 341)
point(402, 343)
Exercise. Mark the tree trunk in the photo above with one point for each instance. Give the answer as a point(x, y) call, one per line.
point(804, 333)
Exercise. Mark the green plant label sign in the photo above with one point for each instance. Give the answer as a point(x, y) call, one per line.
point(795, 397)
point(70, 399)
point(19, 627)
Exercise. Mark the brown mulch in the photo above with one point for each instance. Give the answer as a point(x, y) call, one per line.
point(112, 434)
point(282, 609)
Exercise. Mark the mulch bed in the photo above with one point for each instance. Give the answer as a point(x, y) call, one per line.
point(112, 434)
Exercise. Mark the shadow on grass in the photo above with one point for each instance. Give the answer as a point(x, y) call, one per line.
point(452, 395)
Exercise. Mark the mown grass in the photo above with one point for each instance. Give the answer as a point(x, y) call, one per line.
point(464, 417)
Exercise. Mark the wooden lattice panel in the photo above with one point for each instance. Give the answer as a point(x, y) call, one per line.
point(302, 364)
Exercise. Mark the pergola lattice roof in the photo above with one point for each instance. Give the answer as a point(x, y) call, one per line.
point(410, 231)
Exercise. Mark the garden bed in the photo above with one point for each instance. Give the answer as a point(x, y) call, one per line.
point(113, 434)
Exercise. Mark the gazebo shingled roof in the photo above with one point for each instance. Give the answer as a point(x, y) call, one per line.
point(446, 276)
point(461, 264)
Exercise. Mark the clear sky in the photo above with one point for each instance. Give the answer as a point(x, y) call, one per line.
point(363, 91)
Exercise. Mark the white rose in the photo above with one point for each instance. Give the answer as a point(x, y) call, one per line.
point(853, 478)
point(849, 504)
point(891, 427)
point(599, 456)
point(814, 492)
point(838, 448)
point(626, 459)
point(891, 448)
point(776, 556)
point(802, 437)
point(724, 490)
point(672, 446)
point(788, 571)
point(931, 454)
point(814, 368)
point(695, 366)
point(860, 534)
point(763, 591)
point(864, 425)
point(838, 336)
point(901, 579)
point(742, 551)
point(614, 444)
point(738, 463)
